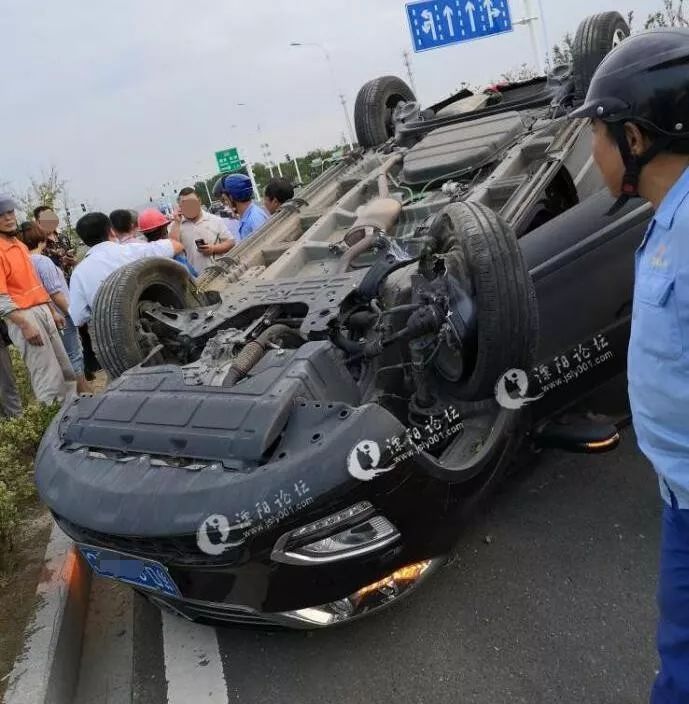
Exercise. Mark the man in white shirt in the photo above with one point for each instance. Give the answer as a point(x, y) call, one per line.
point(105, 255)
point(204, 236)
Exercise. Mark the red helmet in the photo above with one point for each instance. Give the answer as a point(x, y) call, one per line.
point(152, 219)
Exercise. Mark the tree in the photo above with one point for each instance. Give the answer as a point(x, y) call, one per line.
point(47, 190)
point(672, 15)
point(202, 193)
point(562, 53)
point(523, 73)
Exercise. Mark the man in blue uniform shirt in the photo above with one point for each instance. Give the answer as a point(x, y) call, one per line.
point(236, 191)
point(639, 103)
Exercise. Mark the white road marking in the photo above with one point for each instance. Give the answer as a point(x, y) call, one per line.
point(584, 171)
point(193, 667)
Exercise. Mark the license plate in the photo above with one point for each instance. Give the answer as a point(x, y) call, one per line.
point(146, 574)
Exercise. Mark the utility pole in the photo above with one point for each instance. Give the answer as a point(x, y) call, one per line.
point(410, 73)
point(352, 137)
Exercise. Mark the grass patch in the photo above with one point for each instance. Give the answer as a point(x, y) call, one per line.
point(19, 440)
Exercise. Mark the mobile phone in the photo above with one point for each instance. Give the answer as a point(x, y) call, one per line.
point(199, 243)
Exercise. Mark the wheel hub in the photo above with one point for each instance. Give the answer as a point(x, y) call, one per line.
point(619, 36)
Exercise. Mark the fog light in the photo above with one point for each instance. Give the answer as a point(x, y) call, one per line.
point(320, 542)
point(367, 599)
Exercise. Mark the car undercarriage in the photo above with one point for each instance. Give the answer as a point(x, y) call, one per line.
point(322, 401)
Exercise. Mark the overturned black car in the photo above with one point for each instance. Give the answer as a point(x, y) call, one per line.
point(295, 438)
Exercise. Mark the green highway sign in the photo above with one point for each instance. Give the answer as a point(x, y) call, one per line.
point(228, 160)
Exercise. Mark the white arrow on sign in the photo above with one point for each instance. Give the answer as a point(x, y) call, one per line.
point(429, 25)
point(449, 16)
point(471, 8)
point(491, 11)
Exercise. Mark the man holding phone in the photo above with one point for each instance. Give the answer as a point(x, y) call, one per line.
point(204, 236)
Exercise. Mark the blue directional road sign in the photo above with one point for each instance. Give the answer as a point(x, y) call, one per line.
point(436, 23)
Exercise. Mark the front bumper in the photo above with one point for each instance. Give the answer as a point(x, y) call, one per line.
point(137, 501)
point(140, 509)
point(371, 598)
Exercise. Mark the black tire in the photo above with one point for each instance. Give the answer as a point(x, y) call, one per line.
point(482, 248)
point(374, 106)
point(596, 37)
point(115, 315)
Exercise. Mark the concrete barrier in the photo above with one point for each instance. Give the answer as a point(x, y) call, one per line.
point(47, 670)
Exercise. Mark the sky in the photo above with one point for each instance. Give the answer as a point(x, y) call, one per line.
point(122, 97)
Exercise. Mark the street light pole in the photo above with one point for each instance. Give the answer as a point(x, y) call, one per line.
point(544, 31)
point(530, 19)
point(343, 100)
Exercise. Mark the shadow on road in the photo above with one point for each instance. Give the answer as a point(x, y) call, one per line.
point(549, 598)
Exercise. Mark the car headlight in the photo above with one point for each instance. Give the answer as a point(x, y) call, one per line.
point(326, 540)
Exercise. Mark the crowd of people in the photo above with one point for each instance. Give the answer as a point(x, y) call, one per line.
point(47, 294)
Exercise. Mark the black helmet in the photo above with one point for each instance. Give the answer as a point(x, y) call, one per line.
point(645, 80)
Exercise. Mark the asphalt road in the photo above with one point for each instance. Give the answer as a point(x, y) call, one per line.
point(550, 598)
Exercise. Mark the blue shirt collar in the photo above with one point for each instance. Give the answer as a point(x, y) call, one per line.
point(672, 201)
point(247, 212)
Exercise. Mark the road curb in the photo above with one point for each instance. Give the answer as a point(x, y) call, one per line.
point(47, 670)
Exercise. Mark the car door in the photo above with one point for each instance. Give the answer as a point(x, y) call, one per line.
point(582, 264)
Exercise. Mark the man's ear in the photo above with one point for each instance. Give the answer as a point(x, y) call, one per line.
point(112, 237)
point(638, 142)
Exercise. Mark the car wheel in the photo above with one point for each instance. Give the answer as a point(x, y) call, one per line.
point(374, 107)
point(482, 252)
point(596, 37)
point(121, 335)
